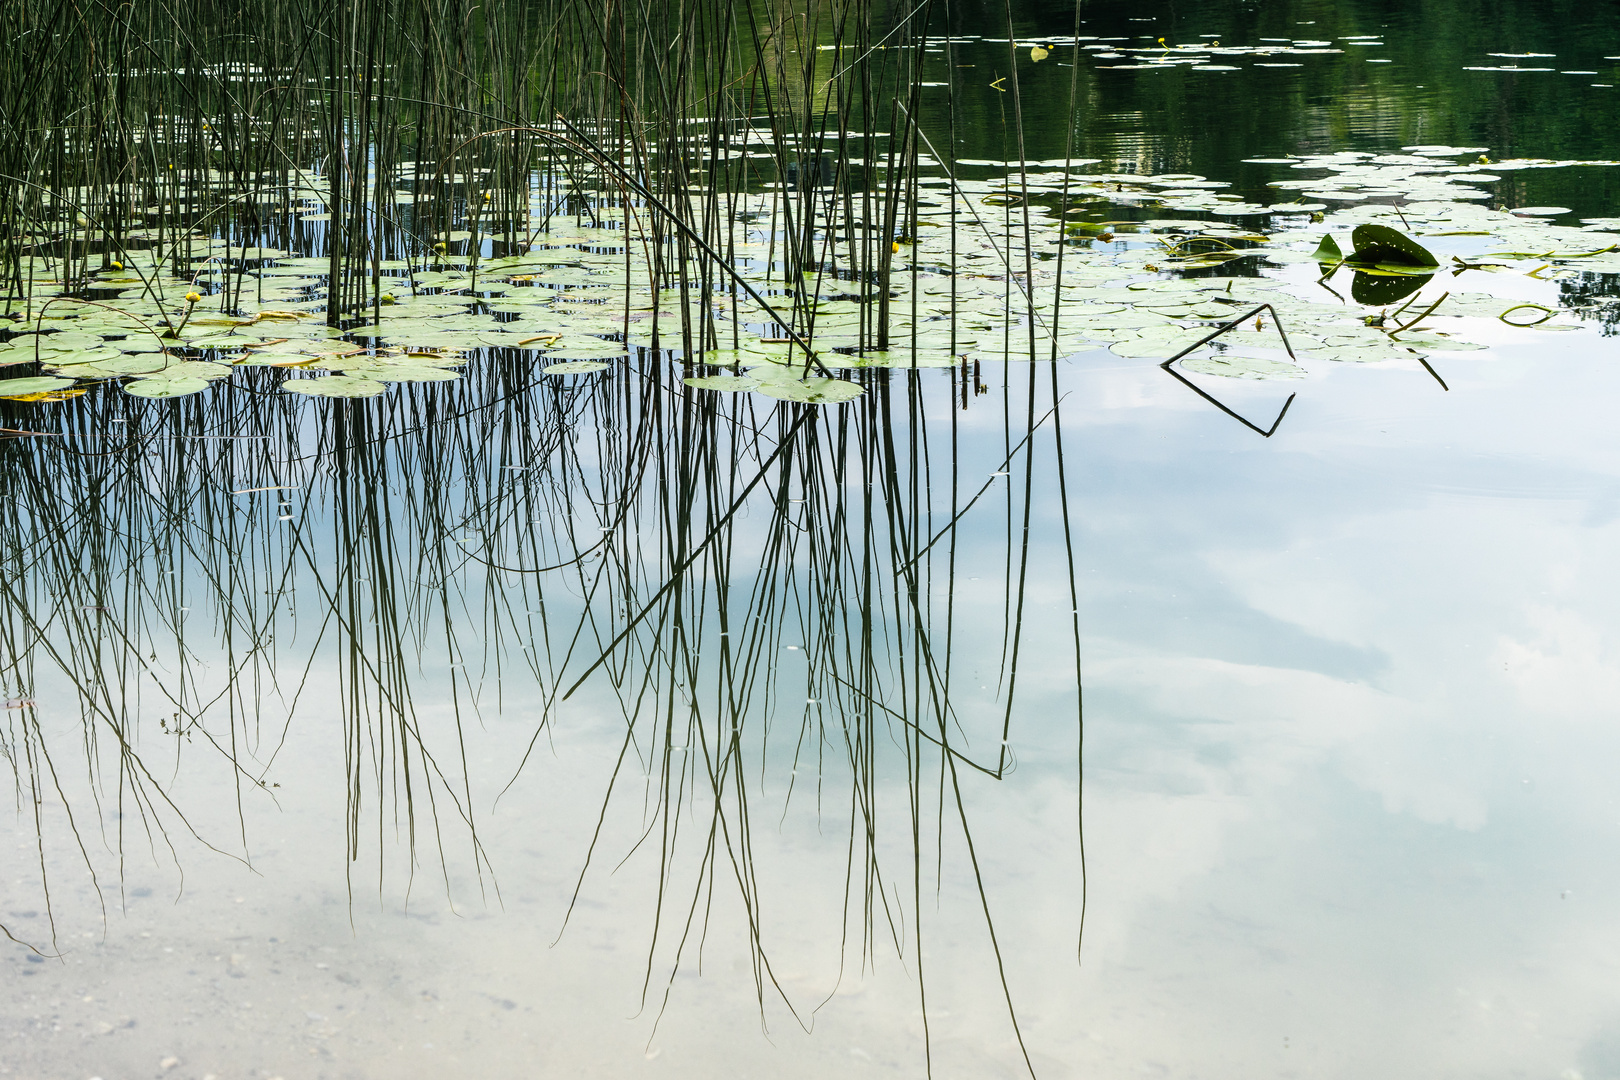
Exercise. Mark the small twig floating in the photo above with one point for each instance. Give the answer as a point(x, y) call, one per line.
point(1206, 339)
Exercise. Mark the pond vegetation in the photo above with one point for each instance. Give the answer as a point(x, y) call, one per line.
point(408, 367)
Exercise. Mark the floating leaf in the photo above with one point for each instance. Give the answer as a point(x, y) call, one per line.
point(1243, 367)
point(80, 356)
point(587, 352)
point(38, 384)
point(1379, 244)
point(165, 388)
point(573, 367)
point(411, 373)
point(1432, 342)
point(50, 395)
point(334, 386)
point(189, 369)
point(1328, 250)
point(724, 383)
point(813, 391)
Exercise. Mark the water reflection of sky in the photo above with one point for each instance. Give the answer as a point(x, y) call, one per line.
point(1348, 801)
point(1348, 699)
point(1348, 796)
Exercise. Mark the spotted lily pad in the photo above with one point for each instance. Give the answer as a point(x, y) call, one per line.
point(1388, 250)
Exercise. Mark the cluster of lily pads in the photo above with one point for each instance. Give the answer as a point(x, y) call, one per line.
point(1020, 264)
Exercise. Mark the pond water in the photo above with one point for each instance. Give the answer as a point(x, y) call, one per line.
point(542, 672)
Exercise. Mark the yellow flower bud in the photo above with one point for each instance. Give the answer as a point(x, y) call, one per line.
point(192, 298)
point(116, 265)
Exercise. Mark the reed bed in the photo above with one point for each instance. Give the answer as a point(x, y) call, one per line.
point(182, 567)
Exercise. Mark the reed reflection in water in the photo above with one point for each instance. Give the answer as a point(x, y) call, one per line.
point(782, 605)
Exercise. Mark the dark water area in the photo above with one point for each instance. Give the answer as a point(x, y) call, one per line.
point(1398, 75)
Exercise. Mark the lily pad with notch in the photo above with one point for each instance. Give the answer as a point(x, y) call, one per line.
point(813, 391)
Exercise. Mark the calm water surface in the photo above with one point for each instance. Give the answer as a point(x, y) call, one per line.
point(1344, 803)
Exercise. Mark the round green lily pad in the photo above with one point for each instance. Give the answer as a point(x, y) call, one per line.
point(813, 391)
point(334, 386)
point(573, 367)
point(165, 388)
point(38, 384)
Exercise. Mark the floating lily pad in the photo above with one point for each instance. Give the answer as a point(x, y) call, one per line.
point(573, 367)
point(724, 383)
point(165, 388)
point(1436, 343)
point(1383, 247)
point(411, 373)
point(189, 369)
point(813, 391)
point(80, 356)
point(1328, 251)
point(1243, 367)
point(334, 386)
point(38, 384)
point(588, 352)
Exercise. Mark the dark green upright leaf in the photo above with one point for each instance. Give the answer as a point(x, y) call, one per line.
point(1380, 244)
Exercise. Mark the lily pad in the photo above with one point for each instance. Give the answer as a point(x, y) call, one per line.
point(573, 367)
point(189, 369)
point(334, 386)
point(723, 383)
point(1243, 367)
point(1327, 252)
point(411, 373)
point(165, 388)
point(813, 391)
point(588, 352)
point(38, 384)
point(80, 356)
point(1380, 245)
